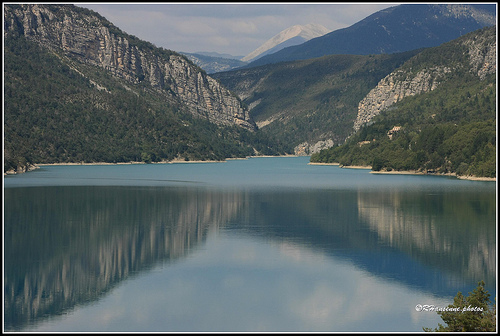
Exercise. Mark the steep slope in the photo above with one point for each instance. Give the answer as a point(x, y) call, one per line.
point(77, 89)
point(87, 37)
point(395, 29)
point(436, 113)
point(289, 37)
point(415, 78)
point(312, 103)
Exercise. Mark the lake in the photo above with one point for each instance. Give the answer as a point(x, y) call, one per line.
point(262, 244)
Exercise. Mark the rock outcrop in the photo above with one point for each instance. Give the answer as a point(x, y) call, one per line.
point(307, 148)
point(481, 50)
point(86, 36)
point(392, 89)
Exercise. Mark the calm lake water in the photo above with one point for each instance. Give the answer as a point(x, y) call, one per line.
point(264, 244)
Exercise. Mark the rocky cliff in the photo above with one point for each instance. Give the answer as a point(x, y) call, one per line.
point(86, 36)
point(480, 49)
point(392, 89)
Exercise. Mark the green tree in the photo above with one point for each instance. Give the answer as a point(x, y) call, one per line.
point(471, 314)
point(378, 163)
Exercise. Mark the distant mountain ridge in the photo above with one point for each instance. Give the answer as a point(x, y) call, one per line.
point(216, 54)
point(294, 35)
point(212, 64)
point(320, 102)
point(391, 30)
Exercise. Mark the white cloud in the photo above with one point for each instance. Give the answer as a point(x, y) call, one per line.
point(246, 285)
point(243, 27)
point(194, 27)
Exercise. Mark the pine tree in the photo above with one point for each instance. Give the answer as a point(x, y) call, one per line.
point(474, 313)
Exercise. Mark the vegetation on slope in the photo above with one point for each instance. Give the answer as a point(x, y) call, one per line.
point(449, 130)
point(310, 100)
point(55, 114)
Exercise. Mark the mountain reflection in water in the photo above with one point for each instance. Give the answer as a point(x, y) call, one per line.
point(67, 246)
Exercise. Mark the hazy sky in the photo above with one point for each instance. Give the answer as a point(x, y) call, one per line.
point(231, 28)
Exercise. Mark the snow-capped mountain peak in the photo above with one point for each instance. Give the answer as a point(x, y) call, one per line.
point(294, 35)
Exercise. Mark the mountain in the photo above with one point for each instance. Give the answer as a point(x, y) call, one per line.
point(391, 30)
point(90, 39)
point(216, 55)
point(316, 103)
point(78, 89)
point(434, 114)
point(215, 62)
point(289, 37)
point(212, 64)
point(310, 104)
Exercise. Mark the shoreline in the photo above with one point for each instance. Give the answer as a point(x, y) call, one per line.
point(159, 162)
point(39, 165)
point(323, 164)
point(122, 163)
point(340, 166)
point(408, 172)
point(392, 172)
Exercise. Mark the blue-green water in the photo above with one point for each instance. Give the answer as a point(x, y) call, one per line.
point(264, 244)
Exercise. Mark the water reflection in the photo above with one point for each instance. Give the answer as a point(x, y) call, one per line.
point(67, 246)
point(451, 231)
point(441, 242)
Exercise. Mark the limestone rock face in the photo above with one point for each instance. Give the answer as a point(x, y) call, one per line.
point(306, 148)
point(481, 50)
point(483, 54)
point(392, 89)
point(84, 35)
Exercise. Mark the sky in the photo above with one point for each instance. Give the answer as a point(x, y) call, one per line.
point(226, 28)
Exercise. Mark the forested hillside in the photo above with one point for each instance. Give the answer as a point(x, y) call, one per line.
point(304, 102)
point(78, 89)
point(55, 114)
point(451, 129)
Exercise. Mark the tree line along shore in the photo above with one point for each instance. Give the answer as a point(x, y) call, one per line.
point(408, 172)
